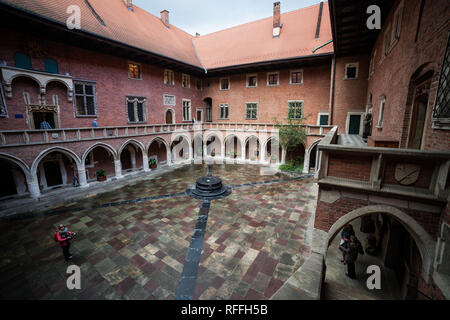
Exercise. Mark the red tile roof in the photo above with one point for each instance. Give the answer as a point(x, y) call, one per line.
point(248, 43)
point(253, 42)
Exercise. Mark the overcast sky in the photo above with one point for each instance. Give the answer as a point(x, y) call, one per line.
point(206, 16)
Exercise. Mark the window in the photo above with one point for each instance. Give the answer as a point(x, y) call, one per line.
point(51, 66)
point(372, 63)
point(381, 115)
point(272, 79)
point(252, 81)
point(441, 110)
point(186, 110)
point(198, 83)
point(225, 84)
point(134, 70)
point(185, 81)
point(295, 109)
point(387, 40)
point(169, 77)
point(322, 119)
point(85, 99)
point(397, 25)
point(223, 111)
point(251, 110)
point(296, 77)
point(136, 109)
point(351, 70)
point(22, 61)
point(3, 112)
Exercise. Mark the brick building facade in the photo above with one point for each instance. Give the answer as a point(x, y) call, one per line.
point(173, 97)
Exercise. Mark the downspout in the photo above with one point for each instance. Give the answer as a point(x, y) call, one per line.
point(333, 80)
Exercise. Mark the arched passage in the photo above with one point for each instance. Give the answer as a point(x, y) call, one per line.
point(393, 240)
point(252, 149)
point(158, 150)
point(213, 146)
point(99, 156)
point(180, 149)
point(273, 150)
point(311, 157)
point(197, 147)
point(131, 156)
point(233, 147)
point(57, 167)
point(15, 175)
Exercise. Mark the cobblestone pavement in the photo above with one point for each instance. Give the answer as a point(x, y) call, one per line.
point(255, 239)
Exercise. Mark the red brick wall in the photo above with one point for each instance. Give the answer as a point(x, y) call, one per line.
point(393, 72)
point(272, 100)
point(328, 213)
point(350, 94)
point(348, 167)
point(112, 85)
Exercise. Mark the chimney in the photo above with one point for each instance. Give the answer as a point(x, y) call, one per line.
point(129, 4)
point(165, 18)
point(276, 19)
point(197, 34)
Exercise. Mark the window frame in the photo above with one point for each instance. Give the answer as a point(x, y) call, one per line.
point(319, 114)
point(248, 77)
point(94, 89)
point(351, 65)
point(381, 112)
point(278, 78)
point(301, 108)
point(51, 60)
point(190, 109)
point(221, 106)
point(140, 70)
point(138, 99)
point(173, 77)
point(372, 63)
point(290, 77)
point(396, 25)
point(220, 83)
point(246, 110)
point(3, 109)
point(188, 77)
point(24, 54)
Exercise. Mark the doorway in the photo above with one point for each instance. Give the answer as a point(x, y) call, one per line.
point(354, 125)
point(53, 173)
point(199, 116)
point(418, 116)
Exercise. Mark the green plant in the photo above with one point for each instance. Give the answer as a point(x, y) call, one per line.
point(100, 173)
point(291, 131)
point(152, 162)
point(233, 154)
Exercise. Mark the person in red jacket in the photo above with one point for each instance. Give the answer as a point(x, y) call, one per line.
point(63, 236)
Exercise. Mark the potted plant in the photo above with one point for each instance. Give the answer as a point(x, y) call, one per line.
point(101, 175)
point(213, 153)
point(233, 154)
point(152, 163)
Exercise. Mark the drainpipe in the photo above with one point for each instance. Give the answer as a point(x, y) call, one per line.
point(333, 81)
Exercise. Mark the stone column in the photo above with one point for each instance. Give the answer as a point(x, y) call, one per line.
point(82, 176)
point(118, 168)
point(133, 158)
point(283, 156)
point(262, 154)
point(306, 162)
point(145, 162)
point(33, 186)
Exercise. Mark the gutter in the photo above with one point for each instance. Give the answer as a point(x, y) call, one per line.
point(321, 46)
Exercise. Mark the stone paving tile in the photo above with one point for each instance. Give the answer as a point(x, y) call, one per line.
point(255, 239)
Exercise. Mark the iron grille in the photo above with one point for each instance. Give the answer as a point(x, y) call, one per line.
point(442, 106)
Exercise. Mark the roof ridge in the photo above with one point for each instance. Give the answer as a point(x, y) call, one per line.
point(258, 20)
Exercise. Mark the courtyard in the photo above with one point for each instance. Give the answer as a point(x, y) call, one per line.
point(131, 243)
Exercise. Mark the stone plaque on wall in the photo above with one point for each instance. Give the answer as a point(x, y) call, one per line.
point(169, 100)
